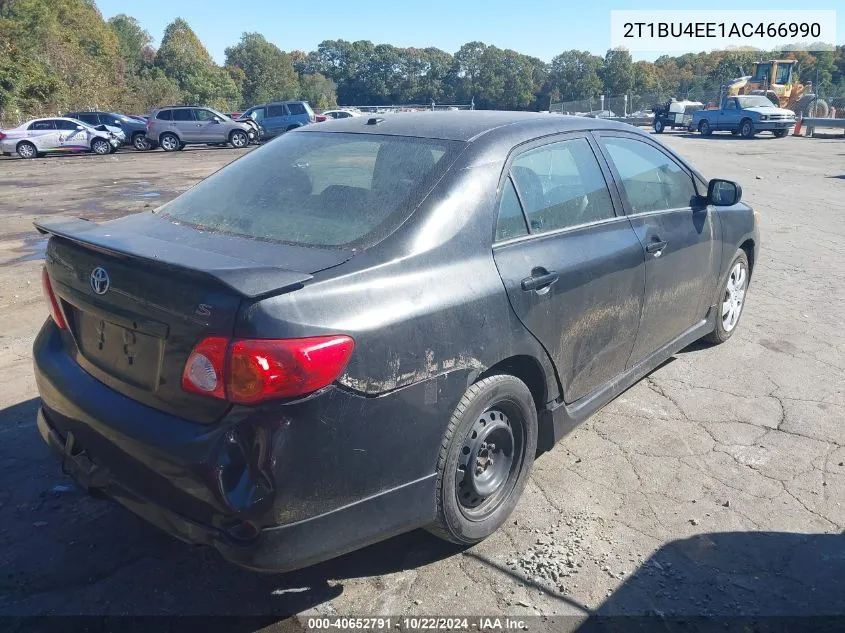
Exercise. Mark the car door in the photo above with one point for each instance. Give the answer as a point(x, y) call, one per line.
point(570, 261)
point(274, 123)
point(43, 135)
point(185, 125)
point(72, 136)
point(675, 231)
point(728, 118)
point(208, 126)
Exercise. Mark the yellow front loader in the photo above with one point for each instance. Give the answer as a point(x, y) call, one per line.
point(774, 79)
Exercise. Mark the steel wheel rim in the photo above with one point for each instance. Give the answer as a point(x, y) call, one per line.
point(240, 139)
point(168, 142)
point(489, 461)
point(26, 150)
point(734, 297)
point(705, 127)
point(746, 129)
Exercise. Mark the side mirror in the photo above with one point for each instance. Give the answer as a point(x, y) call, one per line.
point(723, 193)
point(79, 127)
point(216, 119)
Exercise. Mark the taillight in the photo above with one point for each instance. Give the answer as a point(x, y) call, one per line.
point(249, 371)
point(53, 302)
point(2, 136)
point(149, 123)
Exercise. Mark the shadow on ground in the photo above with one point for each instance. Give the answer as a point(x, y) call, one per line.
point(71, 554)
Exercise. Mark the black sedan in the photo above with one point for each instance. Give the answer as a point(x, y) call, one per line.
point(374, 325)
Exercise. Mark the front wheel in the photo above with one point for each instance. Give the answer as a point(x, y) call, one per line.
point(780, 133)
point(746, 128)
point(659, 126)
point(485, 459)
point(732, 300)
point(169, 142)
point(101, 146)
point(705, 129)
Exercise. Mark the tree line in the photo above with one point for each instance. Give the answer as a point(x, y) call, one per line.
point(60, 55)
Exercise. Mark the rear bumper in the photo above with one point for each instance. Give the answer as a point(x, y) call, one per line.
point(271, 490)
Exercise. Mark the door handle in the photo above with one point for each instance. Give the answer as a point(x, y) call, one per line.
point(540, 278)
point(656, 248)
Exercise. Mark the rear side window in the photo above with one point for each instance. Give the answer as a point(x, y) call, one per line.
point(561, 185)
point(42, 125)
point(297, 108)
point(165, 115)
point(511, 222)
point(318, 189)
point(651, 179)
point(183, 114)
point(275, 110)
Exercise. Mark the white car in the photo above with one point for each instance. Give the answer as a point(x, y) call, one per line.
point(57, 134)
point(340, 114)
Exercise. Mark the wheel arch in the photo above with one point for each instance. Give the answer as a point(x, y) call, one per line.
point(169, 132)
point(748, 247)
point(530, 371)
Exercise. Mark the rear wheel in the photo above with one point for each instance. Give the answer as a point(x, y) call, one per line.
point(485, 459)
point(746, 128)
point(141, 142)
point(239, 139)
point(25, 149)
point(705, 129)
point(169, 142)
point(101, 146)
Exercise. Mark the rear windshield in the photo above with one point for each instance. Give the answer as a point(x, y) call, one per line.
point(318, 189)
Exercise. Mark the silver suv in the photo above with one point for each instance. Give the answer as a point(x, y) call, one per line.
point(176, 126)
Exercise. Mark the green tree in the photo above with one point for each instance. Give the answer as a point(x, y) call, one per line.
point(318, 90)
point(617, 72)
point(268, 71)
point(184, 59)
point(575, 75)
point(133, 41)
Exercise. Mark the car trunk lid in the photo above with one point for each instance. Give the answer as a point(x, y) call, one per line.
point(138, 294)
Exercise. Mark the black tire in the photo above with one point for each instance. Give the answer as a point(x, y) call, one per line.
point(25, 149)
point(101, 146)
point(659, 127)
point(239, 139)
point(780, 133)
point(705, 129)
point(140, 142)
point(495, 407)
point(720, 333)
point(746, 128)
point(169, 142)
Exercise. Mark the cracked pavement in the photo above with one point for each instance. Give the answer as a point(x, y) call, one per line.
point(714, 486)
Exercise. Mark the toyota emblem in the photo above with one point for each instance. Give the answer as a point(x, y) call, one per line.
point(99, 281)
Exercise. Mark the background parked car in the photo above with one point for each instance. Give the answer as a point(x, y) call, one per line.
point(57, 134)
point(341, 114)
point(277, 118)
point(176, 126)
point(135, 130)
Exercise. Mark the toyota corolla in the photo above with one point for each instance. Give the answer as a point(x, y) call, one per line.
point(374, 325)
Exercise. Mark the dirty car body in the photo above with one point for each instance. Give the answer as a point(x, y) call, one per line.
point(418, 247)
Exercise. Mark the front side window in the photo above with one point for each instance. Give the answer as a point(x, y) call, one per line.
point(784, 74)
point(257, 114)
point(88, 117)
point(318, 189)
point(204, 115)
point(275, 111)
point(652, 180)
point(511, 221)
point(763, 72)
point(561, 185)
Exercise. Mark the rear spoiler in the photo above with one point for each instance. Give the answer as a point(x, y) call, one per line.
point(208, 254)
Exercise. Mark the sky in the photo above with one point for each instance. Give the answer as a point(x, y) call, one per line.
point(541, 28)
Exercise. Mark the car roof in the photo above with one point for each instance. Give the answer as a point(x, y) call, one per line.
point(465, 125)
